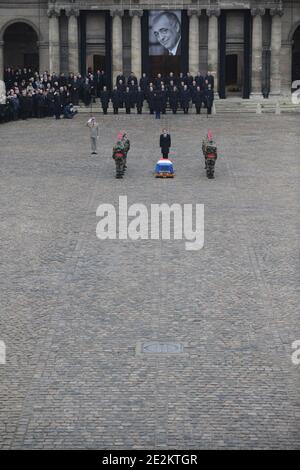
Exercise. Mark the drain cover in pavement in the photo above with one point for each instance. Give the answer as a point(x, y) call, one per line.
point(159, 347)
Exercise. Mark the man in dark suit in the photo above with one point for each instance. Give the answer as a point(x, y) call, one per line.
point(127, 97)
point(131, 78)
point(210, 80)
point(139, 100)
point(104, 98)
point(173, 99)
point(185, 99)
point(98, 78)
point(157, 103)
point(167, 31)
point(115, 99)
point(209, 97)
point(199, 99)
point(199, 79)
point(150, 99)
point(165, 143)
point(144, 82)
point(158, 81)
point(120, 77)
point(164, 99)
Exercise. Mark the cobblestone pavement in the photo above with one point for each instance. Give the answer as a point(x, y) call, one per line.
point(73, 308)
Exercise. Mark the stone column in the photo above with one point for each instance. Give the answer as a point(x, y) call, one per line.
point(73, 51)
point(194, 41)
point(136, 42)
point(257, 14)
point(54, 52)
point(275, 82)
point(117, 43)
point(43, 56)
point(213, 46)
point(286, 68)
point(1, 60)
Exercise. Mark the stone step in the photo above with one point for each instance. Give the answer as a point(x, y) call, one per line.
point(219, 110)
point(230, 105)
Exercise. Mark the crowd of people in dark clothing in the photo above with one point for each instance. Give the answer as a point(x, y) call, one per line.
point(31, 94)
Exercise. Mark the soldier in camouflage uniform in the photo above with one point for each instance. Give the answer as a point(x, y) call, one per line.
point(209, 146)
point(209, 150)
point(120, 151)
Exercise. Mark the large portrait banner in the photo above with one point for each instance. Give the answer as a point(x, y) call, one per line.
point(164, 33)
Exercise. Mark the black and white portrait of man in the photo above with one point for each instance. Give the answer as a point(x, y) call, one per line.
point(165, 33)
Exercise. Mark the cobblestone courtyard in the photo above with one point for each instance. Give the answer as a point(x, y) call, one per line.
point(73, 308)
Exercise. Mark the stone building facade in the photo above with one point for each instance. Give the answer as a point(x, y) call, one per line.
point(251, 47)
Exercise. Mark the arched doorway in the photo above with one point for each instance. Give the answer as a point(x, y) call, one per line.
point(296, 55)
point(21, 46)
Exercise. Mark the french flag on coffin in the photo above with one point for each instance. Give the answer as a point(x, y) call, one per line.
point(164, 168)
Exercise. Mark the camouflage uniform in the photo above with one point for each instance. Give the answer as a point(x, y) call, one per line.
point(210, 153)
point(208, 147)
point(119, 155)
